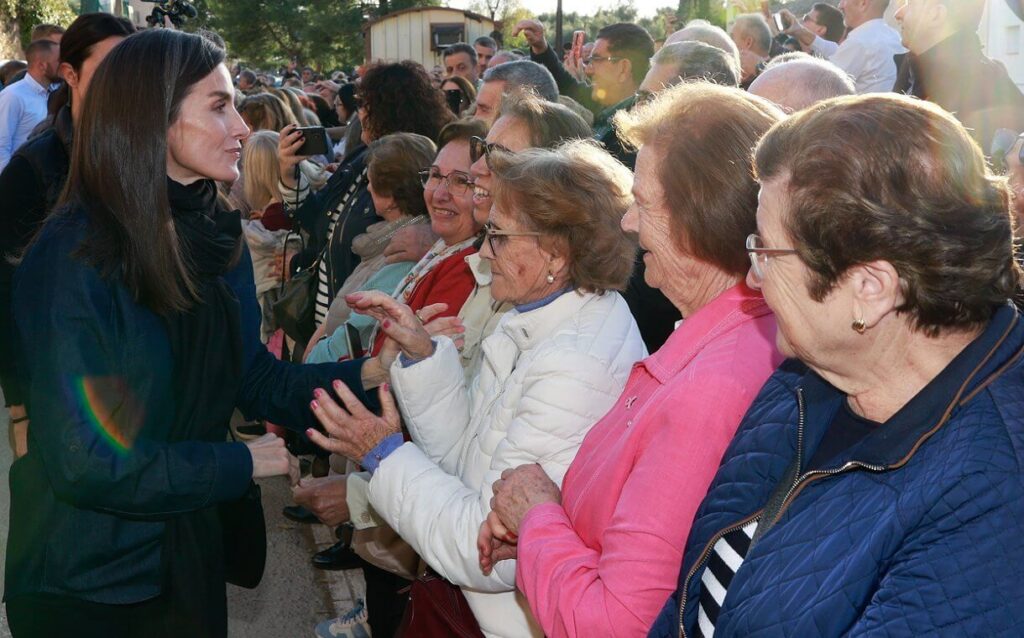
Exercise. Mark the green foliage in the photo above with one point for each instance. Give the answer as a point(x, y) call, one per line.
point(324, 34)
point(624, 11)
point(712, 11)
point(28, 13)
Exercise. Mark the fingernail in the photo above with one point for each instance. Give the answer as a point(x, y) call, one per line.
point(337, 383)
point(315, 405)
point(387, 387)
point(387, 323)
point(318, 393)
point(309, 433)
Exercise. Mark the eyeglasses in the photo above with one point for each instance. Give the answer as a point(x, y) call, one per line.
point(599, 58)
point(496, 237)
point(479, 147)
point(458, 182)
point(759, 255)
point(360, 102)
point(642, 97)
point(1003, 143)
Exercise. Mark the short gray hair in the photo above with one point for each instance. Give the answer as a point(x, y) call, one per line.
point(525, 75)
point(707, 33)
point(754, 25)
point(697, 60)
point(799, 82)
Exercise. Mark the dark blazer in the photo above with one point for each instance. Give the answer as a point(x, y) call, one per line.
point(959, 77)
point(30, 185)
point(90, 500)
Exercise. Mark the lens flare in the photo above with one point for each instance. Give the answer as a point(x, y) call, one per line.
point(107, 404)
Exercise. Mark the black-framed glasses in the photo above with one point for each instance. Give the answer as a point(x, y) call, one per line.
point(496, 237)
point(458, 182)
point(479, 147)
point(759, 255)
point(594, 59)
point(358, 99)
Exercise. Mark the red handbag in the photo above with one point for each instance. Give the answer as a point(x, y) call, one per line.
point(437, 609)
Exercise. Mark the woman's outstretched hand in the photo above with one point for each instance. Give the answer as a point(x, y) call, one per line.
point(353, 430)
point(271, 458)
point(411, 331)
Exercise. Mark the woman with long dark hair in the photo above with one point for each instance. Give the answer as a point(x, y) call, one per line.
point(136, 310)
point(31, 183)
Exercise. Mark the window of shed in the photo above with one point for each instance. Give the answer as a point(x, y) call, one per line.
point(445, 35)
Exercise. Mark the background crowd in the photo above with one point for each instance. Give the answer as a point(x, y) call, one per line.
point(713, 336)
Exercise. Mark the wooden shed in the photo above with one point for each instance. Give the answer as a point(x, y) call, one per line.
point(422, 33)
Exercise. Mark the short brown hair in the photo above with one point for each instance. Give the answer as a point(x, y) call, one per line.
point(887, 177)
point(549, 123)
point(460, 130)
point(706, 133)
point(576, 196)
point(393, 165)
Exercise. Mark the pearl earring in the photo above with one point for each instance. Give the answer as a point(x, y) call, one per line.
point(551, 278)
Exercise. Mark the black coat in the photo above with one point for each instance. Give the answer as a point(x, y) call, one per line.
point(956, 75)
point(347, 192)
point(29, 187)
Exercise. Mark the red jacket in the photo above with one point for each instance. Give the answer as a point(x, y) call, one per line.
point(449, 282)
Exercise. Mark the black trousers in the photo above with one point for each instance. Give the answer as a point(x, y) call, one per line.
point(48, 616)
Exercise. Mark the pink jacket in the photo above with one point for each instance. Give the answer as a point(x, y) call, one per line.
point(604, 562)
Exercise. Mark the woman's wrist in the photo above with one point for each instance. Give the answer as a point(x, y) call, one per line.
point(411, 356)
point(373, 373)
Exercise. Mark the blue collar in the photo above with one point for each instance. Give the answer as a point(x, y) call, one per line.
point(976, 366)
point(540, 303)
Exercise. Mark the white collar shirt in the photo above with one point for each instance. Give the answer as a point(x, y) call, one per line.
point(866, 55)
point(22, 108)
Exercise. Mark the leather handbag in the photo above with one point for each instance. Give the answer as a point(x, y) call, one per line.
point(244, 532)
point(294, 309)
point(382, 547)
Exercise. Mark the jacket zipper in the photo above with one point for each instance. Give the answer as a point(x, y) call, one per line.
point(799, 483)
point(755, 517)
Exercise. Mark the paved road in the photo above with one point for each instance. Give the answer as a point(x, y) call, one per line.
point(293, 596)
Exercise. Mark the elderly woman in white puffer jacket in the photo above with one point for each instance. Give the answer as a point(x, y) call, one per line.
point(553, 367)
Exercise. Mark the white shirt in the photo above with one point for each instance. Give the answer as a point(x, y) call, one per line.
point(866, 54)
point(22, 107)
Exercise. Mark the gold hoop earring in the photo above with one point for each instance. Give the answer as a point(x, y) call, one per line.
point(859, 326)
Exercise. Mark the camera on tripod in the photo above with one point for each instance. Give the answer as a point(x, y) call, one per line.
point(176, 10)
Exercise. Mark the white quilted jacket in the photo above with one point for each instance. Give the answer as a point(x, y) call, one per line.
point(547, 376)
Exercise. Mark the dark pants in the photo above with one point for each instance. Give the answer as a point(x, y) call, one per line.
point(49, 616)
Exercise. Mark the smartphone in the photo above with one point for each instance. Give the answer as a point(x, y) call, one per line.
point(780, 22)
point(315, 141)
point(579, 38)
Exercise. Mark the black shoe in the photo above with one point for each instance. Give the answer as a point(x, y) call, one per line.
point(337, 556)
point(299, 514)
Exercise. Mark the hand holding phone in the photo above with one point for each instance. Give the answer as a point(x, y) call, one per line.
point(315, 141)
point(578, 39)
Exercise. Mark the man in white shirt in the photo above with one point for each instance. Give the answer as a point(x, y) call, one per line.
point(868, 50)
point(23, 104)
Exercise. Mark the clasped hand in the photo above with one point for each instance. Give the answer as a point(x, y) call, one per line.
point(515, 493)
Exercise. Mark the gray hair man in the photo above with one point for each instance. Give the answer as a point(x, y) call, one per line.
point(794, 83)
point(753, 38)
point(520, 75)
point(680, 61)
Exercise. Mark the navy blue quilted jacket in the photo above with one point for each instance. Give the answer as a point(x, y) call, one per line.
point(917, 530)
